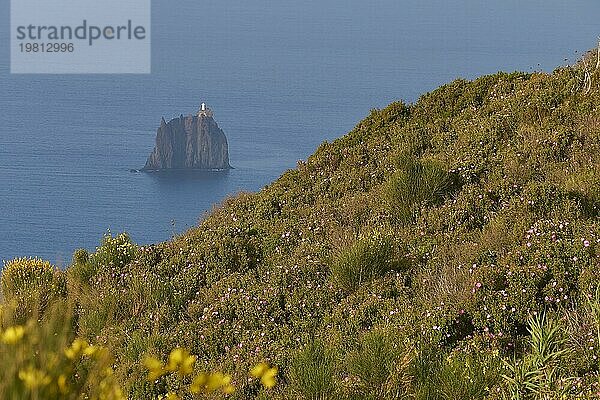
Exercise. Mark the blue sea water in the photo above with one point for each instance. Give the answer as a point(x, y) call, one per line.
point(282, 76)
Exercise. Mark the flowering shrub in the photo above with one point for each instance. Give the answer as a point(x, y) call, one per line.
point(40, 362)
point(112, 256)
point(23, 275)
point(542, 273)
point(31, 284)
point(114, 252)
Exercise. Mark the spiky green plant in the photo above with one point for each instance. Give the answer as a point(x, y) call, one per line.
point(368, 257)
point(312, 372)
point(380, 365)
point(539, 374)
point(413, 185)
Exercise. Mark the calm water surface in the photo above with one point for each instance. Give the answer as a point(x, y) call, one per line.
point(282, 76)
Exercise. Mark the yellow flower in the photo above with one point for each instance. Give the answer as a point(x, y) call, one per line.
point(78, 347)
point(187, 366)
point(62, 384)
point(228, 389)
point(215, 381)
point(110, 391)
point(33, 378)
point(205, 383)
point(155, 368)
point(259, 370)
point(181, 361)
point(118, 395)
point(90, 351)
point(172, 396)
point(269, 378)
point(198, 383)
point(13, 334)
point(175, 358)
point(266, 374)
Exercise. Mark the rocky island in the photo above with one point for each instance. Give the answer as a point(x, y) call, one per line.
point(189, 142)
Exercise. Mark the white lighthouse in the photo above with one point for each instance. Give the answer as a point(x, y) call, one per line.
point(204, 111)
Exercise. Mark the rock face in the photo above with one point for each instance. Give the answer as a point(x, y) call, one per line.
point(192, 142)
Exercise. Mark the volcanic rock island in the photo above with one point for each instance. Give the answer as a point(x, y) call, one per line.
point(190, 142)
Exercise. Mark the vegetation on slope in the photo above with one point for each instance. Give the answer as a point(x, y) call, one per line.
point(447, 249)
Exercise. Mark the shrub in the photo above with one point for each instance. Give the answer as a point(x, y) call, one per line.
point(544, 272)
point(467, 376)
point(312, 372)
point(113, 254)
point(81, 256)
point(31, 284)
point(22, 275)
point(367, 258)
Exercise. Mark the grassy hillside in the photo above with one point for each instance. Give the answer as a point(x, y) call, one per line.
point(447, 249)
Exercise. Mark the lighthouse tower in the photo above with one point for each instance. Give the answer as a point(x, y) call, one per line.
point(204, 111)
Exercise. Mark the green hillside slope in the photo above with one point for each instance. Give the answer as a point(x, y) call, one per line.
point(447, 249)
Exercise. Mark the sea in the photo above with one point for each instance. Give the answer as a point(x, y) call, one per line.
point(281, 76)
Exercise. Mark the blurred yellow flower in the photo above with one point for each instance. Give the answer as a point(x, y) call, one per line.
point(77, 348)
point(259, 370)
point(198, 383)
point(172, 396)
point(228, 389)
point(181, 361)
point(62, 384)
point(33, 378)
point(187, 366)
point(13, 334)
point(205, 383)
point(155, 368)
point(215, 381)
point(266, 374)
point(90, 350)
point(269, 379)
point(111, 391)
